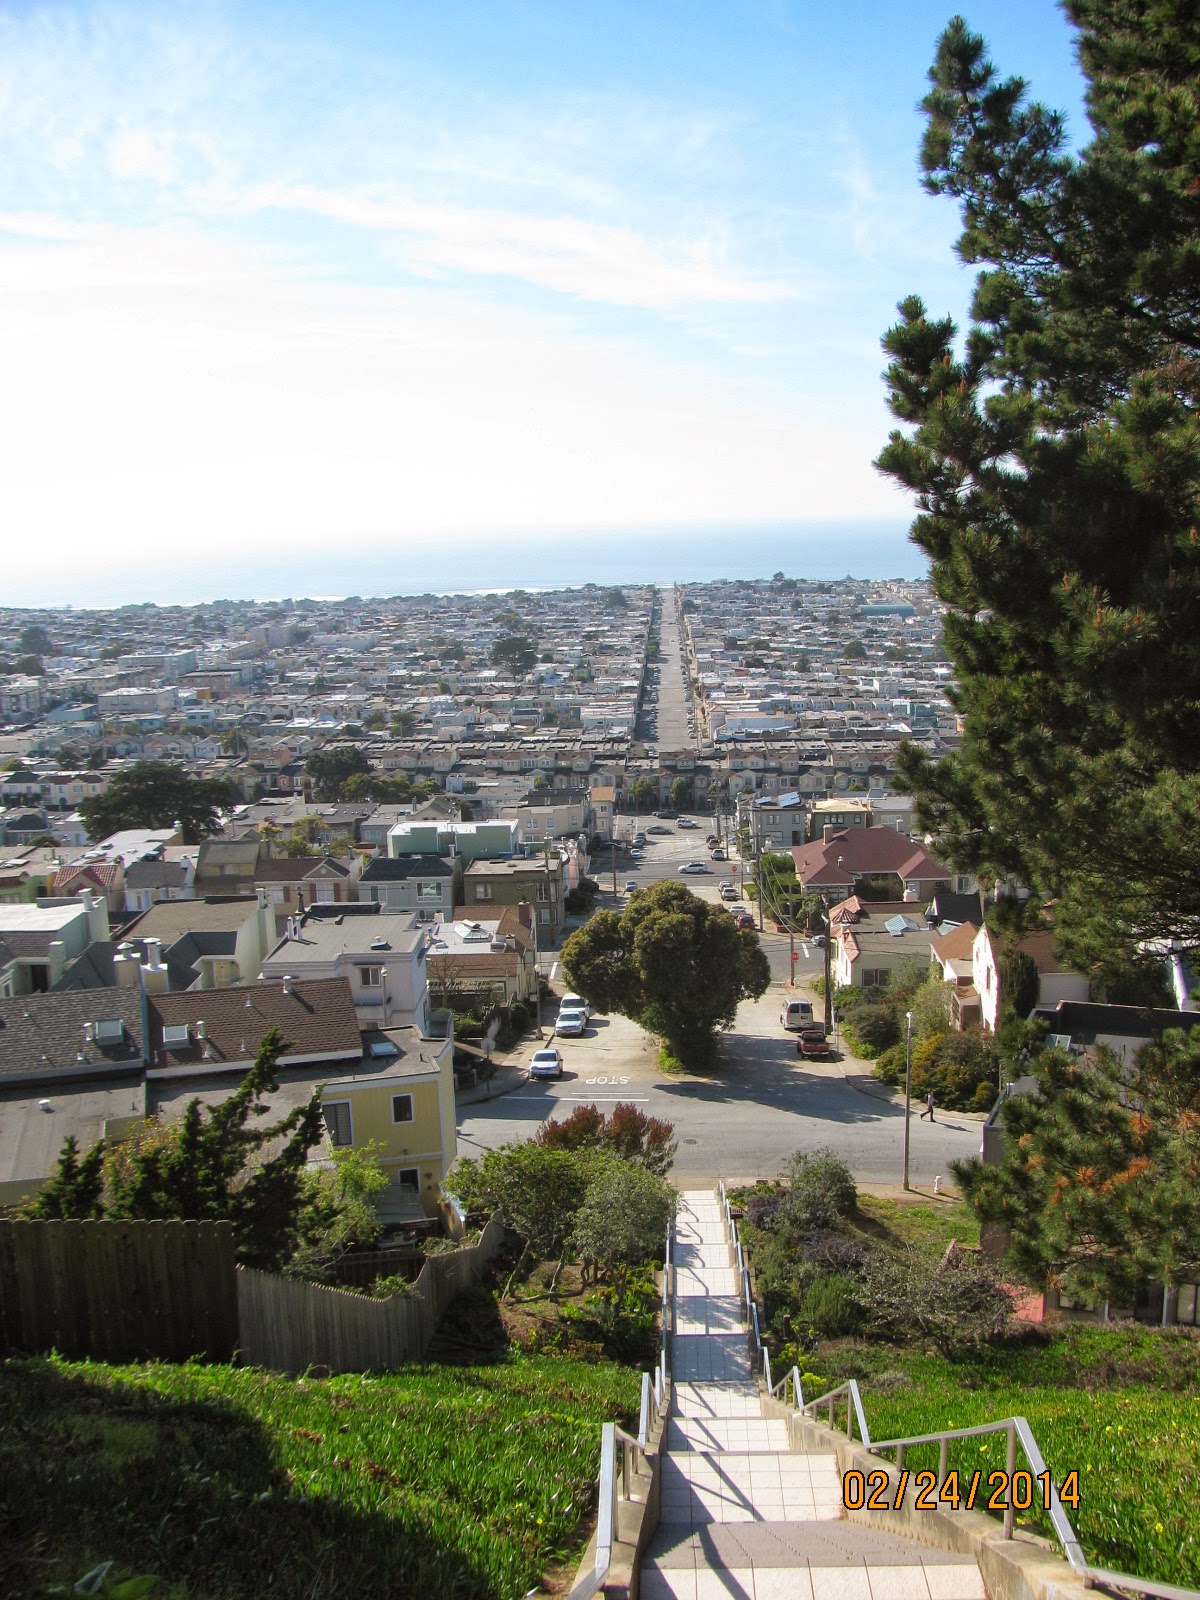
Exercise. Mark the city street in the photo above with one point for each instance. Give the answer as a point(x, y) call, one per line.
point(748, 1119)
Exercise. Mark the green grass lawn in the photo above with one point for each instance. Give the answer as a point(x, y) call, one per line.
point(1119, 1405)
point(225, 1481)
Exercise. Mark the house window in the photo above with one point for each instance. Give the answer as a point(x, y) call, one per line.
point(337, 1122)
point(409, 1177)
point(370, 977)
point(430, 891)
point(326, 891)
point(278, 894)
point(402, 1108)
point(483, 891)
point(544, 917)
point(874, 977)
point(543, 891)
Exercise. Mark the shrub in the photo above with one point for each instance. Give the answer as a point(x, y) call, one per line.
point(518, 1016)
point(961, 1068)
point(873, 1027)
point(820, 1190)
point(956, 1305)
point(830, 1306)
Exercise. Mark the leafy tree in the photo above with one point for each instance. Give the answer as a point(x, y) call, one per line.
point(35, 641)
point(672, 962)
point(627, 1132)
point(516, 652)
point(623, 1219)
point(539, 1191)
point(403, 723)
point(1055, 458)
point(155, 794)
point(331, 769)
point(641, 793)
point(1097, 1183)
point(855, 650)
point(681, 793)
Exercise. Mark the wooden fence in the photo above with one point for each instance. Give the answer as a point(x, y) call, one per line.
point(119, 1291)
point(291, 1326)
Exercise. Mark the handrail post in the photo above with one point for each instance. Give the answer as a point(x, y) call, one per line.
point(1010, 1515)
point(943, 1460)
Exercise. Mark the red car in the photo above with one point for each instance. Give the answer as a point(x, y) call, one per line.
point(812, 1042)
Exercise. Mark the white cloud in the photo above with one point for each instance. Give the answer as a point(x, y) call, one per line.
point(138, 153)
point(591, 261)
point(161, 395)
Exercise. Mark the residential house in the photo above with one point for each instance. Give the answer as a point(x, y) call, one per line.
point(206, 944)
point(536, 880)
point(1056, 982)
point(602, 798)
point(834, 863)
point(159, 877)
point(105, 880)
point(381, 953)
point(872, 939)
point(40, 940)
point(430, 886)
point(293, 883)
point(226, 867)
point(493, 956)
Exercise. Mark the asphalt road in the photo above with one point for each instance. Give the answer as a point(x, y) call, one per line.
point(745, 1121)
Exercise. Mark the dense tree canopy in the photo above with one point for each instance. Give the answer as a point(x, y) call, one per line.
point(1099, 1183)
point(155, 794)
point(673, 962)
point(1055, 459)
point(331, 769)
point(515, 651)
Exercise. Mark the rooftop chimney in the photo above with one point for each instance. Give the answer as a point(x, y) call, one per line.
point(827, 832)
point(288, 981)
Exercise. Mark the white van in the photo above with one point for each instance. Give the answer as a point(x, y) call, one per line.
point(796, 1014)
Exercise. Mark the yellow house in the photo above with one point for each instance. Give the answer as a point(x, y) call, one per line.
point(402, 1098)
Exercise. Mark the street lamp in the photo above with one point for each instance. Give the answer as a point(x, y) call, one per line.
point(907, 1088)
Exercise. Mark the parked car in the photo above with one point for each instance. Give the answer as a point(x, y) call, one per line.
point(686, 822)
point(717, 854)
point(729, 892)
point(570, 1022)
point(630, 885)
point(744, 919)
point(639, 837)
point(812, 1042)
point(693, 866)
point(818, 939)
point(546, 1064)
point(657, 827)
point(711, 839)
point(796, 1015)
point(575, 1002)
point(667, 816)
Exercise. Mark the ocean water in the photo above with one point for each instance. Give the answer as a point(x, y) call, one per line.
point(819, 550)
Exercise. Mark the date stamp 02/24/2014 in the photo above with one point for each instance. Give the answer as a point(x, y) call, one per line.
point(876, 1491)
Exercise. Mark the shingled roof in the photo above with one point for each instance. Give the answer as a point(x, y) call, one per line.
point(315, 1015)
point(45, 1037)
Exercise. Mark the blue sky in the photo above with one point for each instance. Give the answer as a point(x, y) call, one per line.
point(286, 277)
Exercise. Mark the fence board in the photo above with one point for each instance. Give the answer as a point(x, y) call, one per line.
point(118, 1291)
point(291, 1326)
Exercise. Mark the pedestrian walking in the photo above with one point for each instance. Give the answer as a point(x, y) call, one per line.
point(928, 1111)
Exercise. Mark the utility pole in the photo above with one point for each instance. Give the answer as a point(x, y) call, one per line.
point(828, 972)
point(614, 867)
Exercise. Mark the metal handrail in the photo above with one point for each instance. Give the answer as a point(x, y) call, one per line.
point(1019, 1432)
point(617, 1468)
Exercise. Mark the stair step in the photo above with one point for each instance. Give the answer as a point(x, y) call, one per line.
point(801, 1561)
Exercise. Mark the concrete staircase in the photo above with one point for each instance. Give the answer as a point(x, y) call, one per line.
point(742, 1517)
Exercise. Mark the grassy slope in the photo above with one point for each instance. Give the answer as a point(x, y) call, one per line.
point(229, 1481)
point(1121, 1405)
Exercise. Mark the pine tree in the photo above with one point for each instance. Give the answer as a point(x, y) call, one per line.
point(1055, 458)
point(75, 1189)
